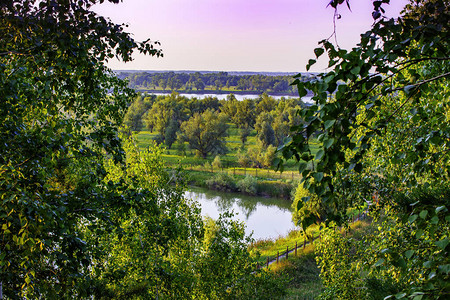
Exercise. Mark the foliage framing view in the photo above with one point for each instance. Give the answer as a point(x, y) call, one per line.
point(382, 117)
point(83, 214)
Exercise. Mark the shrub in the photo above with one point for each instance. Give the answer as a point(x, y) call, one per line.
point(248, 185)
point(277, 189)
point(217, 163)
point(222, 182)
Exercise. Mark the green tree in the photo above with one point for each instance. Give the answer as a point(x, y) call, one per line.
point(264, 130)
point(136, 111)
point(206, 132)
point(57, 121)
point(165, 116)
point(384, 140)
point(245, 113)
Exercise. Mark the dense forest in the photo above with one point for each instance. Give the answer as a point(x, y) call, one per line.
point(86, 213)
point(217, 81)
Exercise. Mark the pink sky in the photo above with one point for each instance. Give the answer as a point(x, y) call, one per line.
point(238, 35)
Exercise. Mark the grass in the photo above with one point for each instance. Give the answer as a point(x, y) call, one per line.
point(270, 248)
point(302, 273)
point(198, 169)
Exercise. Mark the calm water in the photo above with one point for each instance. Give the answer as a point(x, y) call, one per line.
point(265, 217)
point(239, 97)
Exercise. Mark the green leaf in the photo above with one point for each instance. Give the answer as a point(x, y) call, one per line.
point(423, 214)
point(355, 70)
point(318, 176)
point(299, 205)
point(444, 269)
point(412, 218)
point(409, 254)
point(329, 123)
point(318, 52)
point(442, 243)
point(379, 262)
point(440, 208)
point(328, 142)
point(310, 63)
point(408, 89)
point(400, 295)
point(302, 166)
point(320, 154)
point(419, 233)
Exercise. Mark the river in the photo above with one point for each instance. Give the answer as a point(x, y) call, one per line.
point(267, 218)
point(239, 97)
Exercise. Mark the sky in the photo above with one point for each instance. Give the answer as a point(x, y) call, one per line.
point(238, 35)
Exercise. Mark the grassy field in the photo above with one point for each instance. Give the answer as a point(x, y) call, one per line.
point(185, 157)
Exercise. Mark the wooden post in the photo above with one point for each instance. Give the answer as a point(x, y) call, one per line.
point(278, 255)
point(267, 261)
point(287, 252)
point(295, 248)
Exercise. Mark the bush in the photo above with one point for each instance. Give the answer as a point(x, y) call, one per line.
point(277, 189)
point(222, 182)
point(217, 163)
point(248, 185)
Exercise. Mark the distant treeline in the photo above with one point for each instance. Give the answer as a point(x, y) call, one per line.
point(219, 81)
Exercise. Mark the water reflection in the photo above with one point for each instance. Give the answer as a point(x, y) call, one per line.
point(265, 217)
point(238, 97)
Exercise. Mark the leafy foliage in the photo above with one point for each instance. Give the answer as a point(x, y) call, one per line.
point(381, 116)
point(206, 132)
point(59, 114)
point(81, 218)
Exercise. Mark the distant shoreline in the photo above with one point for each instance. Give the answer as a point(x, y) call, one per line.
point(204, 92)
point(216, 72)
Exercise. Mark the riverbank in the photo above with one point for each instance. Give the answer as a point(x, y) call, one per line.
point(240, 180)
point(218, 92)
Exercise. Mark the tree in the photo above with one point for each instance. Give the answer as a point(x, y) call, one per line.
point(136, 111)
point(57, 121)
point(265, 132)
point(382, 115)
point(82, 218)
point(245, 113)
point(165, 116)
point(206, 132)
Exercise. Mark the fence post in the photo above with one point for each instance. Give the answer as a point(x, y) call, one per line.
point(267, 261)
point(287, 252)
point(278, 255)
point(295, 248)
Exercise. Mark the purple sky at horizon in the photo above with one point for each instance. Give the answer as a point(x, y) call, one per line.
point(238, 35)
